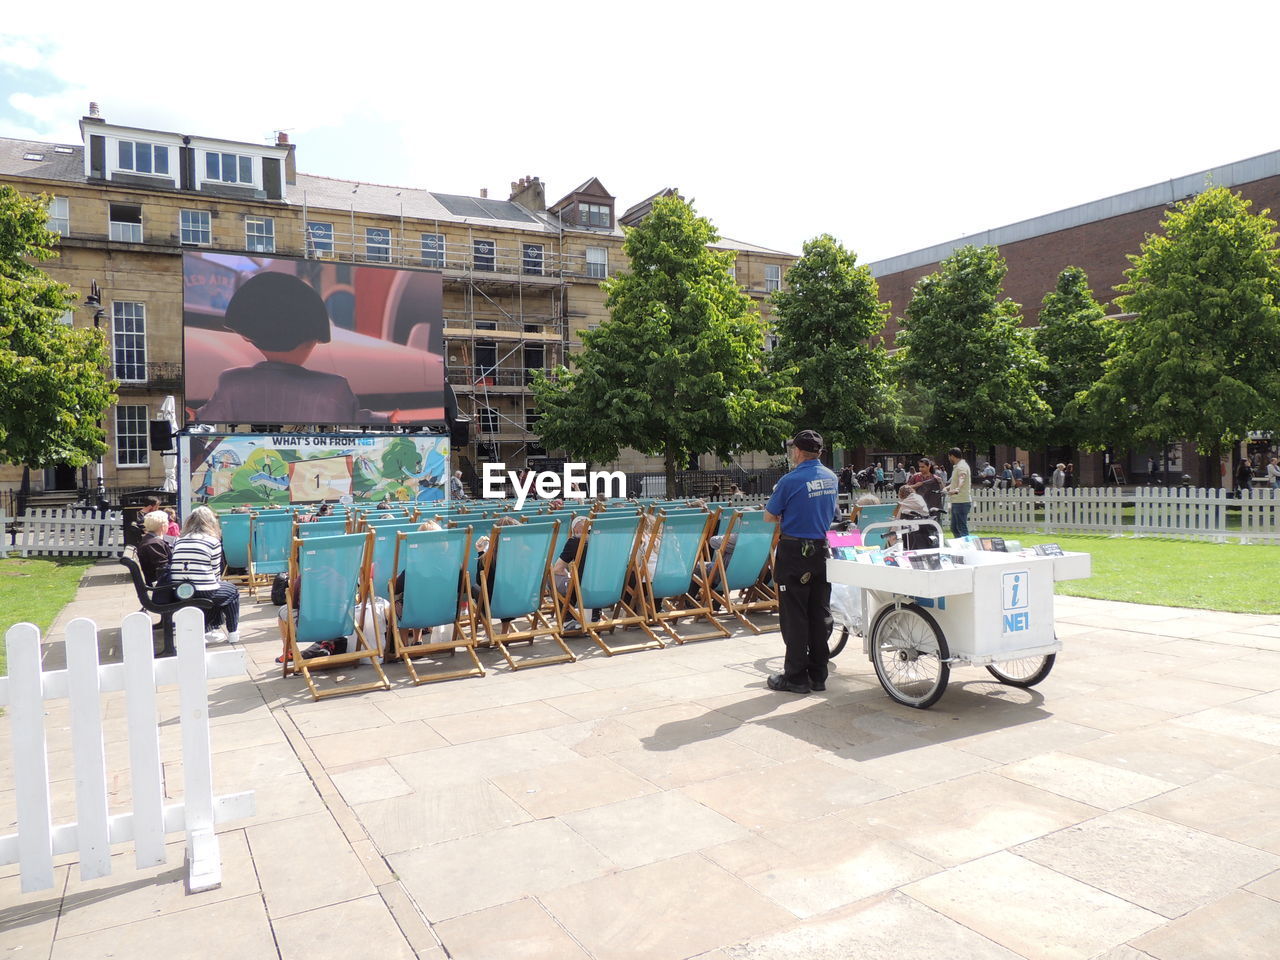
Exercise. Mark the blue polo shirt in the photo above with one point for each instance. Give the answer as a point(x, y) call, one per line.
point(805, 499)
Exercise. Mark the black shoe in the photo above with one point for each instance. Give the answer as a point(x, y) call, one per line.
point(817, 685)
point(778, 682)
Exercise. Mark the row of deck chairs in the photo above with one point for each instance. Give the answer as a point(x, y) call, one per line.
point(644, 570)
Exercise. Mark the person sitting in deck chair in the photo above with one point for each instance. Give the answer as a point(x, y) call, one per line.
point(560, 569)
point(489, 546)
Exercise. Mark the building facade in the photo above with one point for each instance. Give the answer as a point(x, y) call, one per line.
point(521, 277)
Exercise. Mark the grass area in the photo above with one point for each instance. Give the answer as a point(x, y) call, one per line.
point(1175, 573)
point(33, 590)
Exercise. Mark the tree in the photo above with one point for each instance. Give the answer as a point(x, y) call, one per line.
point(964, 352)
point(1074, 336)
point(52, 376)
point(825, 321)
point(678, 368)
point(1197, 358)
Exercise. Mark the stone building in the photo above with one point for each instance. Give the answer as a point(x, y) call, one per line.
point(521, 277)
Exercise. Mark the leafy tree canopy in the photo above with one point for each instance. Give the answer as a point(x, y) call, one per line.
point(52, 377)
point(1074, 336)
point(678, 369)
point(825, 320)
point(963, 349)
point(1197, 358)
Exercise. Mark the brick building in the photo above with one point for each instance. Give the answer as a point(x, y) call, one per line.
point(521, 278)
point(1096, 236)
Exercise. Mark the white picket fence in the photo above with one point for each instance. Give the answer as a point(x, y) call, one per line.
point(65, 532)
point(1186, 513)
point(83, 682)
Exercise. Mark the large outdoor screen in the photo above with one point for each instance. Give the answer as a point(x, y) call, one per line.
point(276, 340)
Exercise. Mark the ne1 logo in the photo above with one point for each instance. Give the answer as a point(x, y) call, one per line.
point(1015, 601)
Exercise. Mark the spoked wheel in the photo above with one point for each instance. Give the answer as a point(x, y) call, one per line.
point(833, 649)
point(1023, 672)
point(910, 655)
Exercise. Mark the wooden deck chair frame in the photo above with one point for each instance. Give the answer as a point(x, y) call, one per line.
point(664, 612)
point(294, 662)
point(536, 616)
point(575, 604)
point(464, 625)
point(756, 597)
point(243, 580)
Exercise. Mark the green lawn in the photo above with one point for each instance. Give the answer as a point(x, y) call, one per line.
point(1175, 573)
point(34, 590)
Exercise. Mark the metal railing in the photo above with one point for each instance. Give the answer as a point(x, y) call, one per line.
point(507, 260)
point(160, 375)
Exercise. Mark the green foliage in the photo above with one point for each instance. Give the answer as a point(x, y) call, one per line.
point(1198, 358)
point(825, 321)
point(1073, 337)
point(678, 369)
point(963, 353)
point(52, 377)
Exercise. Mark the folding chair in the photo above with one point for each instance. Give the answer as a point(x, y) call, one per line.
point(320, 528)
point(270, 537)
point(520, 575)
point(681, 561)
point(433, 563)
point(333, 573)
point(235, 549)
point(598, 581)
point(753, 544)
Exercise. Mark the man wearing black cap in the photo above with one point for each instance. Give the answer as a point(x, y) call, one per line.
point(284, 318)
point(804, 501)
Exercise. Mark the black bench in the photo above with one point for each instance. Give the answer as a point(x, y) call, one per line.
point(146, 597)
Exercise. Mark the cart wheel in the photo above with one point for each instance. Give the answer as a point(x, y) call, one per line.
point(839, 644)
point(1023, 672)
point(910, 655)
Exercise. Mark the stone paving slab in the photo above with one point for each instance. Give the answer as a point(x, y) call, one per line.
point(664, 805)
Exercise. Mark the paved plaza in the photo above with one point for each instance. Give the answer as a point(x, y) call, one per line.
point(664, 805)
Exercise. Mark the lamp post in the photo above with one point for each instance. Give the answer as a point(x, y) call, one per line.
point(94, 302)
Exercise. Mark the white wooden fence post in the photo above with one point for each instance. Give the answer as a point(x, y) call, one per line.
point(94, 839)
point(30, 759)
point(204, 865)
point(144, 740)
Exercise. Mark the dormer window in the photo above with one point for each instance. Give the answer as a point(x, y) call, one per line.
point(595, 215)
point(143, 157)
point(228, 168)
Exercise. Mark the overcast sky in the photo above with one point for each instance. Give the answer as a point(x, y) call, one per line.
point(893, 127)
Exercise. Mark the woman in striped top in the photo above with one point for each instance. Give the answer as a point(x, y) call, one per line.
point(197, 559)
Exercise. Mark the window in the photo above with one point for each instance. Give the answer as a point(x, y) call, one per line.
point(228, 168)
point(772, 277)
point(433, 250)
point(260, 234)
point(319, 238)
point(597, 262)
point(594, 215)
point(733, 271)
point(531, 420)
point(58, 220)
point(131, 435)
point(68, 318)
point(126, 222)
point(143, 157)
point(377, 244)
point(486, 359)
point(33, 156)
point(535, 356)
point(195, 227)
point(129, 341)
point(532, 257)
point(483, 254)
point(488, 420)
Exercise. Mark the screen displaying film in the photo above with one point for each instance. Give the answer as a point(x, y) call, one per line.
point(278, 340)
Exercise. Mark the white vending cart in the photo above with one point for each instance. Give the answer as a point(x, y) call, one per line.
point(921, 615)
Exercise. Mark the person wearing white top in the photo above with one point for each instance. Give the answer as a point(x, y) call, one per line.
point(197, 559)
point(1273, 473)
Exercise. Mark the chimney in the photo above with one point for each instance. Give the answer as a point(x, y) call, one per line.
point(282, 138)
point(484, 193)
point(94, 112)
point(530, 194)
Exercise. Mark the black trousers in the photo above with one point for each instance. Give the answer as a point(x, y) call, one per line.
point(804, 609)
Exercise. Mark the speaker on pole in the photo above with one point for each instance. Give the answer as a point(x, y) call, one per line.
point(460, 431)
point(161, 435)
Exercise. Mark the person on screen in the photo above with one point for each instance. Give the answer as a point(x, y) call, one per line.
point(284, 318)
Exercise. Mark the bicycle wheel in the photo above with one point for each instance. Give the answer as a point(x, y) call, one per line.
point(839, 644)
point(1022, 672)
point(910, 655)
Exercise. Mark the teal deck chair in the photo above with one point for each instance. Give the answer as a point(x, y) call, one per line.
point(235, 549)
point(333, 576)
point(384, 554)
point(598, 581)
point(270, 539)
point(681, 561)
point(321, 528)
point(754, 541)
point(519, 565)
point(433, 562)
point(875, 513)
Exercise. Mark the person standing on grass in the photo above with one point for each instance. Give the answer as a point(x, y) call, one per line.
point(960, 492)
point(803, 504)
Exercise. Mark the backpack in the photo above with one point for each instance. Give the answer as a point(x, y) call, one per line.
point(280, 589)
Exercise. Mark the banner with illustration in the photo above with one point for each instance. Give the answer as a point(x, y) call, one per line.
point(274, 470)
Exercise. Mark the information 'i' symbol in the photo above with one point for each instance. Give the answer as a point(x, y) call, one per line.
point(1017, 582)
